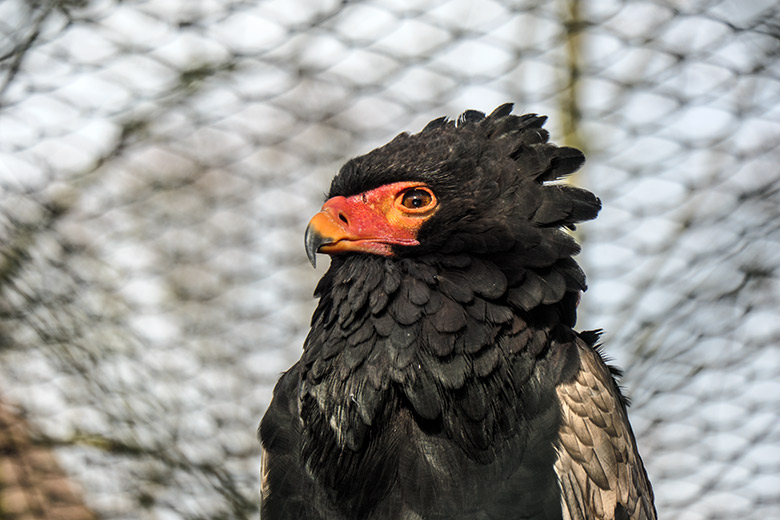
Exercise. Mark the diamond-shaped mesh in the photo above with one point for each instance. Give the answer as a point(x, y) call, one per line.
point(159, 160)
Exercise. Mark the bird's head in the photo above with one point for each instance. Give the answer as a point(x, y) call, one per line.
point(480, 185)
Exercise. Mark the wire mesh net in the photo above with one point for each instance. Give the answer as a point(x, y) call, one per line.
point(159, 160)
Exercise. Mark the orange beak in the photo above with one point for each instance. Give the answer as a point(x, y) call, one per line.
point(371, 222)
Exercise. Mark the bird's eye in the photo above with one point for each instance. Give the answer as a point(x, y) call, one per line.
point(417, 199)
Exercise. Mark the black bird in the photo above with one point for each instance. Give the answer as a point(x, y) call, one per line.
point(442, 378)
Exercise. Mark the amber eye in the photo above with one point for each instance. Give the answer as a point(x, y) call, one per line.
point(417, 198)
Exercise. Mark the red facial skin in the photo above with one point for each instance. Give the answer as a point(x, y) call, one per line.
point(373, 221)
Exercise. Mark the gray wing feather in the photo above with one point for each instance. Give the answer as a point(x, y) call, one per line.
point(599, 468)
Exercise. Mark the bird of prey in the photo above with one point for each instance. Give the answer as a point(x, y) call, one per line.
point(442, 378)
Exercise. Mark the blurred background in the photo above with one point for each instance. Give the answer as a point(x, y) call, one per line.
point(159, 160)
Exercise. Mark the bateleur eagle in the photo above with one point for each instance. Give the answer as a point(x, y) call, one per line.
point(442, 378)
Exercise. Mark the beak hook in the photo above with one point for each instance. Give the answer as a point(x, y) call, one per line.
point(312, 240)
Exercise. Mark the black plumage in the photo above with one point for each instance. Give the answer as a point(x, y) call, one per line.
point(444, 380)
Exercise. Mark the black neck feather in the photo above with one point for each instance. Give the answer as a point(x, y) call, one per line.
point(446, 340)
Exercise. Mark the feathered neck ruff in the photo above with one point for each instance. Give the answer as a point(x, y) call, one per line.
point(452, 338)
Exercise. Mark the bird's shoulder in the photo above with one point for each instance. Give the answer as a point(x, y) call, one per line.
point(287, 488)
point(599, 468)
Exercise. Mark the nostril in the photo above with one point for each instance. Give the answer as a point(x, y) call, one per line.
point(343, 218)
